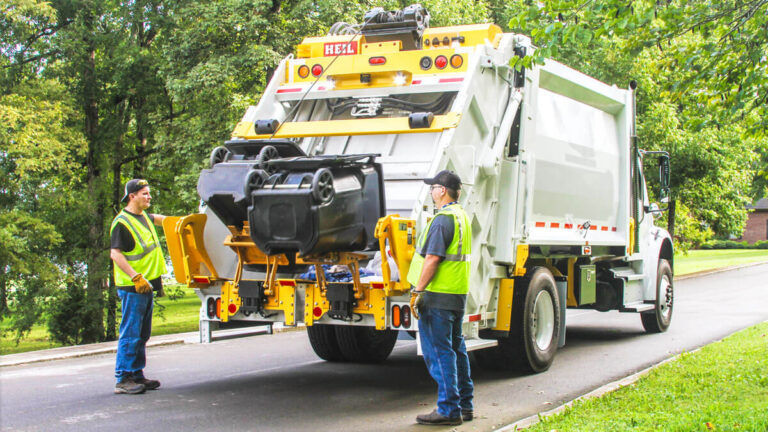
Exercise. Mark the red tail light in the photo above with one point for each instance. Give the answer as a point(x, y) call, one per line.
point(317, 70)
point(377, 60)
point(441, 62)
point(406, 316)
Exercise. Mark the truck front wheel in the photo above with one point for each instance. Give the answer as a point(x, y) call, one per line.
point(658, 320)
point(535, 326)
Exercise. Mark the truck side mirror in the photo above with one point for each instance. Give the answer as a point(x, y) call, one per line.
point(664, 171)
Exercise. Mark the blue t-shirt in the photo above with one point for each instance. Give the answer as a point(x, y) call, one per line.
point(439, 237)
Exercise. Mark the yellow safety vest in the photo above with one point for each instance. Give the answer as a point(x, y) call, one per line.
point(452, 275)
point(147, 255)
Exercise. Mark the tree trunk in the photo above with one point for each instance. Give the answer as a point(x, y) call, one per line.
point(95, 252)
point(117, 195)
point(3, 297)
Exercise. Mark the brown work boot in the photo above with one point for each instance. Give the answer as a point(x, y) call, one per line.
point(129, 386)
point(148, 383)
point(436, 419)
point(467, 414)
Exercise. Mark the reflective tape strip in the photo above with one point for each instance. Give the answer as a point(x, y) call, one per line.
point(456, 257)
point(146, 249)
point(141, 255)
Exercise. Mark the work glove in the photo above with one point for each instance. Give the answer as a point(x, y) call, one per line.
point(141, 284)
point(416, 302)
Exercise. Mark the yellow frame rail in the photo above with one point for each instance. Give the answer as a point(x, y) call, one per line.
point(376, 126)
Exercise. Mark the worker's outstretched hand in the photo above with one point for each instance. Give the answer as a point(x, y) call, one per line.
point(416, 301)
point(141, 284)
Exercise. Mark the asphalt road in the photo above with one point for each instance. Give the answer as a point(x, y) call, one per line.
point(275, 383)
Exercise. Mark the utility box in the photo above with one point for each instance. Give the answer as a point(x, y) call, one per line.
point(587, 284)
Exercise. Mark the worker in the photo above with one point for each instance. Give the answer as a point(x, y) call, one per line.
point(139, 263)
point(439, 274)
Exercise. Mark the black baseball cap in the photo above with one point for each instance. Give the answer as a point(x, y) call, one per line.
point(445, 178)
point(134, 186)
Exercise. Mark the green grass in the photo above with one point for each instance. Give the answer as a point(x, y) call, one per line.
point(698, 260)
point(722, 387)
point(179, 316)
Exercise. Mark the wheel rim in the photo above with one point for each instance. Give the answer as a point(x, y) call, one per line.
point(322, 185)
point(665, 305)
point(267, 154)
point(218, 155)
point(543, 321)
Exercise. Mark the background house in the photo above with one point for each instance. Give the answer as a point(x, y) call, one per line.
point(757, 222)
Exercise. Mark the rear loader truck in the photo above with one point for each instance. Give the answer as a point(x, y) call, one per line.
point(325, 174)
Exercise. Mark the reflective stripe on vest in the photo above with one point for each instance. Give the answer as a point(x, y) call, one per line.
point(452, 274)
point(136, 235)
point(146, 257)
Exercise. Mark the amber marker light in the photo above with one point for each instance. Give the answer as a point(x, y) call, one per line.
point(303, 71)
point(456, 61)
point(218, 308)
point(395, 316)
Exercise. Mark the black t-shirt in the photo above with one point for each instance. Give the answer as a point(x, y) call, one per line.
point(122, 238)
point(439, 237)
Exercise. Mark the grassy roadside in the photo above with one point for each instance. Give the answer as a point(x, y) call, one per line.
point(722, 387)
point(171, 316)
point(182, 315)
point(699, 260)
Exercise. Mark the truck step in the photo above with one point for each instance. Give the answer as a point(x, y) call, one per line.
point(633, 258)
point(475, 344)
point(627, 273)
point(637, 307)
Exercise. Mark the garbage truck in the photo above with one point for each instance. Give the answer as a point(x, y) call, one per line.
point(311, 210)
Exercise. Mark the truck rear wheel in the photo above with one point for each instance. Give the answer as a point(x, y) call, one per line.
point(324, 342)
point(658, 320)
point(365, 344)
point(535, 327)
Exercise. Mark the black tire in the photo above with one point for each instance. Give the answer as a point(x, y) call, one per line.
point(218, 155)
point(255, 179)
point(658, 320)
point(266, 154)
point(324, 343)
point(322, 186)
point(365, 344)
point(528, 348)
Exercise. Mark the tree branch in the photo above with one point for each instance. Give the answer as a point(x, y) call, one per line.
point(139, 156)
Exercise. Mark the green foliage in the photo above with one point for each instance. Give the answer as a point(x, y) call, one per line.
point(689, 231)
point(27, 276)
point(67, 317)
point(733, 244)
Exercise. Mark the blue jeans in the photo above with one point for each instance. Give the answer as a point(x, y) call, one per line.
point(446, 357)
point(135, 328)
